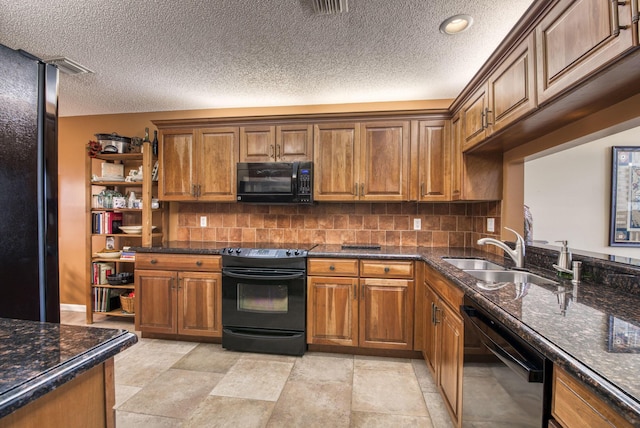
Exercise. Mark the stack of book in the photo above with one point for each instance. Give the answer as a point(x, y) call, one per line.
point(127, 254)
point(106, 222)
point(106, 299)
point(100, 271)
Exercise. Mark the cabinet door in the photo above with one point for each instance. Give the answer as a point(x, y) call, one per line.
point(294, 142)
point(474, 119)
point(257, 144)
point(576, 38)
point(336, 152)
point(200, 304)
point(384, 164)
point(512, 86)
point(155, 301)
point(217, 156)
point(431, 333)
point(177, 173)
point(386, 313)
point(332, 311)
point(434, 163)
point(450, 360)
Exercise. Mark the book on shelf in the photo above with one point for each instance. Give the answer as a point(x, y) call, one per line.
point(106, 299)
point(100, 271)
point(106, 222)
point(127, 254)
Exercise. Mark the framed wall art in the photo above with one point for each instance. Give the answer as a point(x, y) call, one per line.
point(625, 196)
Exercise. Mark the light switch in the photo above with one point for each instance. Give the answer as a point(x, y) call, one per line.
point(491, 224)
point(203, 221)
point(417, 224)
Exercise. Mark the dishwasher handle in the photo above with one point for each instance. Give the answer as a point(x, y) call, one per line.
point(527, 369)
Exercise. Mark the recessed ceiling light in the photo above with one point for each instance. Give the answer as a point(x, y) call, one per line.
point(456, 24)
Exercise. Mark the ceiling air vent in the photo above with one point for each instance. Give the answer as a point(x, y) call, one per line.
point(67, 66)
point(330, 6)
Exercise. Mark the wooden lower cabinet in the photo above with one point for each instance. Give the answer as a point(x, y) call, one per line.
point(443, 338)
point(360, 312)
point(183, 303)
point(573, 405)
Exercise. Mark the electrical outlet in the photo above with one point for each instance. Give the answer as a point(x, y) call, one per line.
point(417, 224)
point(203, 221)
point(491, 224)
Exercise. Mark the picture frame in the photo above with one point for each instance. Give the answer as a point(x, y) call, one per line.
point(625, 197)
point(624, 337)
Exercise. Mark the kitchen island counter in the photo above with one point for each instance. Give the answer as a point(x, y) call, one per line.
point(36, 358)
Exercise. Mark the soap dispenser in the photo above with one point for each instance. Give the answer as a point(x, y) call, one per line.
point(564, 258)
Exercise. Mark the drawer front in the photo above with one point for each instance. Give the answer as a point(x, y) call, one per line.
point(447, 291)
point(332, 267)
point(386, 269)
point(194, 263)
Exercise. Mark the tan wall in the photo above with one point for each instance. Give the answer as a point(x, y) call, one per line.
point(75, 132)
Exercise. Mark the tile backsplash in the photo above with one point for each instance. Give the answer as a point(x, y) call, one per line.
point(442, 224)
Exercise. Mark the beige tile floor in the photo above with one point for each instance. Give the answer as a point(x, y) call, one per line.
point(162, 383)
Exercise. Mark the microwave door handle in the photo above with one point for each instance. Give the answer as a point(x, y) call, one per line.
point(523, 368)
point(294, 178)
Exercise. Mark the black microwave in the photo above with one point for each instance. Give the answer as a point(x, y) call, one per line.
point(275, 182)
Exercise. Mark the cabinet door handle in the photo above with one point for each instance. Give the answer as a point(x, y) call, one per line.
point(487, 117)
point(635, 16)
point(615, 17)
point(153, 261)
point(355, 292)
point(332, 267)
point(193, 191)
point(273, 153)
point(362, 189)
point(386, 269)
point(173, 287)
point(278, 151)
point(482, 119)
point(421, 189)
point(198, 263)
point(356, 189)
point(435, 315)
point(433, 312)
point(199, 190)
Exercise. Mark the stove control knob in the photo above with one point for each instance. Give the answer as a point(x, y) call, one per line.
point(238, 250)
point(288, 252)
point(297, 253)
point(230, 250)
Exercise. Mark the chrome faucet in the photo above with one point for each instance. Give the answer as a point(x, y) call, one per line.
point(517, 255)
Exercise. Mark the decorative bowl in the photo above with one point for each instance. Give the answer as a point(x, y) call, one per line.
point(109, 255)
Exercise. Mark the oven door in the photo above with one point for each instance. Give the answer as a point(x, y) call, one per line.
point(265, 182)
point(256, 298)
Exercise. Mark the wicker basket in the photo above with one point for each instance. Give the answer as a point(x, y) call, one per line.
point(127, 304)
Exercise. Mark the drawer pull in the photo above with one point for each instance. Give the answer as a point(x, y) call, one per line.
point(153, 261)
point(332, 267)
point(198, 263)
point(386, 269)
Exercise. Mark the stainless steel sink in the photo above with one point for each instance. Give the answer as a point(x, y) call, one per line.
point(472, 264)
point(512, 276)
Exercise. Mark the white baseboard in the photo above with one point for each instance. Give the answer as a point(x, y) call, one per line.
point(72, 308)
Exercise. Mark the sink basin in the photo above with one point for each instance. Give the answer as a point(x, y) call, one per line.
point(512, 276)
point(472, 264)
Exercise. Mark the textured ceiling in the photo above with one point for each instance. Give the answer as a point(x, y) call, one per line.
point(179, 55)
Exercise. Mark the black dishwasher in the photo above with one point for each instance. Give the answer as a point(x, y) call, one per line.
point(508, 383)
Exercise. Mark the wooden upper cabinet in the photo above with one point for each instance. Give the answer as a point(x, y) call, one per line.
point(508, 94)
point(431, 147)
point(282, 143)
point(473, 113)
point(294, 143)
point(177, 173)
point(384, 167)
point(198, 164)
point(576, 38)
point(367, 161)
point(512, 91)
point(258, 144)
point(336, 152)
point(217, 158)
point(456, 158)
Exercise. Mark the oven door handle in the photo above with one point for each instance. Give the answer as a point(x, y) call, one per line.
point(526, 369)
point(261, 275)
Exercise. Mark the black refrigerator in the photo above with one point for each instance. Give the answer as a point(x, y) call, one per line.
point(29, 280)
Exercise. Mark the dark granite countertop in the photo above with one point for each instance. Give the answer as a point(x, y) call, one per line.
point(36, 358)
point(580, 328)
